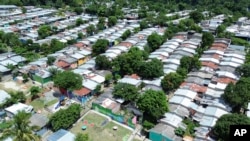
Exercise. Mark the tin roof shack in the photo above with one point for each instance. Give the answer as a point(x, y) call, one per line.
point(3, 96)
point(14, 109)
point(38, 120)
point(61, 135)
point(42, 76)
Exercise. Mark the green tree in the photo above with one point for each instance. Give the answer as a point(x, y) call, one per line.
point(151, 69)
point(63, 119)
point(129, 63)
point(190, 63)
point(244, 70)
point(68, 80)
point(222, 126)
point(90, 29)
point(20, 130)
point(108, 79)
point(126, 91)
point(51, 60)
point(154, 41)
point(112, 20)
point(143, 24)
point(100, 46)
point(80, 35)
point(34, 91)
point(82, 137)
point(3, 48)
point(196, 16)
point(147, 125)
point(44, 31)
point(235, 98)
point(24, 10)
point(79, 21)
point(207, 40)
point(171, 81)
point(54, 71)
point(126, 34)
point(102, 62)
point(101, 23)
point(78, 10)
point(153, 104)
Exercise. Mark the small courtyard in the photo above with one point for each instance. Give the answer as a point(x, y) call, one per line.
point(106, 129)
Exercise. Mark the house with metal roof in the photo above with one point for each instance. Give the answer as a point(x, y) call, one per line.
point(61, 135)
point(3, 96)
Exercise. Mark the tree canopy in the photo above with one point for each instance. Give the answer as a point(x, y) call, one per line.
point(64, 118)
point(112, 20)
point(153, 104)
point(126, 91)
point(222, 126)
point(154, 41)
point(151, 69)
point(44, 31)
point(102, 62)
point(196, 16)
point(100, 46)
point(21, 130)
point(171, 81)
point(235, 98)
point(130, 62)
point(68, 80)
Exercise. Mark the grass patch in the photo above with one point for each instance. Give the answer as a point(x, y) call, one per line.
point(52, 102)
point(37, 104)
point(104, 132)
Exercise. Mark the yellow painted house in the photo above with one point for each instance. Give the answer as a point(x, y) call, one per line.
point(81, 59)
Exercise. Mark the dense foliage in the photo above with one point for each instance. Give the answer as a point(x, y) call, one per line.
point(126, 91)
point(21, 129)
point(151, 69)
point(130, 62)
point(153, 104)
point(235, 98)
point(100, 46)
point(63, 119)
point(102, 62)
point(154, 41)
point(68, 80)
point(171, 81)
point(222, 126)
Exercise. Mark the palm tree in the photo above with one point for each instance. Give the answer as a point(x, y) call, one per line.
point(21, 131)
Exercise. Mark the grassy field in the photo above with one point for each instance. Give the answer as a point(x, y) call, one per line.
point(39, 103)
point(98, 132)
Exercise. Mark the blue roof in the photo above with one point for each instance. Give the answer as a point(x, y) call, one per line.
point(61, 135)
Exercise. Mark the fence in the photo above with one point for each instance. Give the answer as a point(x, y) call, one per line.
point(118, 118)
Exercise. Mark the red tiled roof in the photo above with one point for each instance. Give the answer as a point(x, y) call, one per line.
point(217, 48)
point(135, 76)
point(62, 64)
point(226, 80)
point(79, 45)
point(82, 92)
point(194, 87)
point(219, 45)
point(210, 65)
point(127, 44)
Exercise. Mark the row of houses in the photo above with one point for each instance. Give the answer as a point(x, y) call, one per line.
point(212, 24)
point(8, 18)
point(199, 97)
point(7, 59)
point(241, 28)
